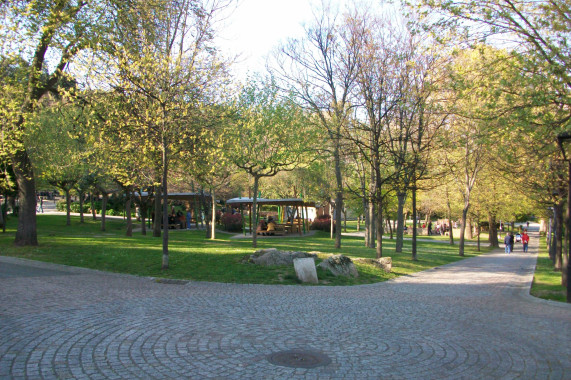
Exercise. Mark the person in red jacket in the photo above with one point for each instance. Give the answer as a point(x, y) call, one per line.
point(525, 240)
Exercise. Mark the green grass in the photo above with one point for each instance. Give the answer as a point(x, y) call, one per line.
point(547, 281)
point(193, 257)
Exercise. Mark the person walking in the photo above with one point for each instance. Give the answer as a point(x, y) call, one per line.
point(507, 245)
point(525, 240)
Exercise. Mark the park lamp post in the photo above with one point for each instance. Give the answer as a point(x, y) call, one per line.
point(564, 139)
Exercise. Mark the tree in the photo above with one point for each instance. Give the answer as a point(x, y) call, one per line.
point(271, 134)
point(377, 95)
point(164, 66)
point(31, 29)
point(57, 152)
point(209, 162)
point(321, 70)
point(538, 32)
point(7, 187)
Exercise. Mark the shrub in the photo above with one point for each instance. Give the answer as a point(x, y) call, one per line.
point(322, 222)
point(74, 206)
point(232, 222)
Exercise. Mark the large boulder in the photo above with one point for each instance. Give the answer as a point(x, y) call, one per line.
point(339, 265)
point(384, 263)
point(272, 256)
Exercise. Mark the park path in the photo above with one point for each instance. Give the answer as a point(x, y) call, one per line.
point(467, 320)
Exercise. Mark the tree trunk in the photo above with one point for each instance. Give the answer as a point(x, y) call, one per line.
point(331, 221)
point(339, 197)
point(565, 268)
point(81, 202)
point(157, 221)
point(493, 233)
point(552, 239)
point(558, 236)
point(93, 211)
point(379, 229)
point(390, 228)
point(165, 263)
point(414, 257)
point(449, 216)
point(373, 221)
point(129, 198)
point(143, 211)
point(478, 230)
point(207, 217)
point(367, 219)
point(213, 226)
point(254, 214)
point(400, 221)
point(195, 209)
point(67, 206)
point(26, 234)
point(4, 212)
point(105, 197)
point(2, 219)
point(462, 230)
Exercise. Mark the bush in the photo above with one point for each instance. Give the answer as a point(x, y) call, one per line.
point(74, 206)
point(322, 223)
point(232, 222)
point(60, 205)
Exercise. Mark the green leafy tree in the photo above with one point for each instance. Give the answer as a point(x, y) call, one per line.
point(40, 38)
point(58, 153)
point(165, 68)
point(538, 32)
point(270, 135)
point(209, 162)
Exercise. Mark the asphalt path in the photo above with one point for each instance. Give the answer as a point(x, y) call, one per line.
point(473, 319)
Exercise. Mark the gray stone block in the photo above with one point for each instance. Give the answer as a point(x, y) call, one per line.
point(305, 270)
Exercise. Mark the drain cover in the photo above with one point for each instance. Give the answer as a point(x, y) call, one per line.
point(299, 359)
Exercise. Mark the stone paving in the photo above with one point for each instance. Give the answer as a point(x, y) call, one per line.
point(470, 320)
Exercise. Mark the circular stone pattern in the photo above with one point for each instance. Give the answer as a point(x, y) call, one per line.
point(299, 359)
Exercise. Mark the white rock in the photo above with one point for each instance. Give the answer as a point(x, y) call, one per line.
point(305, 270)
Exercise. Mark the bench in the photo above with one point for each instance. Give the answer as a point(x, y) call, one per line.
point(280, 230)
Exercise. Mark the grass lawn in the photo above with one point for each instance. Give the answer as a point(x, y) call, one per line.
point(193, 257)
point(546, 281)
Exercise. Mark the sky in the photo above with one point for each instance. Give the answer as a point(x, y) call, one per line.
point(255, 27)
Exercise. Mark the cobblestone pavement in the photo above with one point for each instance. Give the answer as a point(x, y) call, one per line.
point(472, 319)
